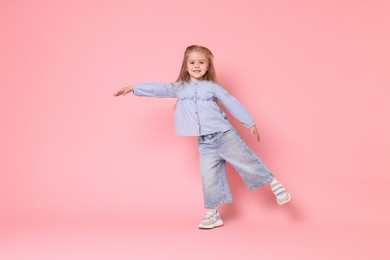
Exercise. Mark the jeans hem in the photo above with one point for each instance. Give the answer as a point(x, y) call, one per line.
point(219, 204)
point(262, 185)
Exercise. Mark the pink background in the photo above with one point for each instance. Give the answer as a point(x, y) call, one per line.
point(84, 175)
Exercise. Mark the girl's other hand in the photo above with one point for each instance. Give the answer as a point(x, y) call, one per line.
point(254, 132)
point(124, 91)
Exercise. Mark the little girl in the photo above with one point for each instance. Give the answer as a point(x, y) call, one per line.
point(198, 114)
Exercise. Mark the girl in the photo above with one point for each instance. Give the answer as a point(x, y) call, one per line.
point(198, 114)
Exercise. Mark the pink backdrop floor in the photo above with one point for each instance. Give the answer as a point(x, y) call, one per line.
point(244, 239)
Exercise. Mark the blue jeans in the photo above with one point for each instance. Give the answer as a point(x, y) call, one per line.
point(217, 149)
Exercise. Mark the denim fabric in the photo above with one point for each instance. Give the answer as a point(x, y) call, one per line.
point(215, 150)
point(197, 112)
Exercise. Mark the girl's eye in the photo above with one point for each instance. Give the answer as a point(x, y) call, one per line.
point(191, 62)
point(202, 62)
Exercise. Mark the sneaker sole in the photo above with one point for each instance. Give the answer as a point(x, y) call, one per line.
point(285, 200)
point(218, 223)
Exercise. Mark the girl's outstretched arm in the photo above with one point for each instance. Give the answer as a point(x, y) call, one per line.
point(151, 89)
point(124, 91)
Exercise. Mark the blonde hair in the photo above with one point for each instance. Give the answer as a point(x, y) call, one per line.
point(210, 75)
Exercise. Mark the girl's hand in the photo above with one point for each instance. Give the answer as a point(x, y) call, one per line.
point(254, 132)
point(124, 91)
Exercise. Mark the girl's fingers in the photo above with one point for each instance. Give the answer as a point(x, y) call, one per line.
point(123, 91)
point(118, 93)
point(255, 133)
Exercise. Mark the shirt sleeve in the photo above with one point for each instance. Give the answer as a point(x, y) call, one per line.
point(155, 89)
point(233, 106)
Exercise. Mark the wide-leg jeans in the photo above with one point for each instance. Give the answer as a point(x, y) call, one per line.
point(215, 150)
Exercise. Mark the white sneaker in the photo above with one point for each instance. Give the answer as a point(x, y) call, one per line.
point(282, 196)
point(211, 220)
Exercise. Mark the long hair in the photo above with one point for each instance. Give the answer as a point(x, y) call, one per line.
point(210, 75)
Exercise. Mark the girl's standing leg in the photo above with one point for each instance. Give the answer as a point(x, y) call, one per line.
point(215, 186)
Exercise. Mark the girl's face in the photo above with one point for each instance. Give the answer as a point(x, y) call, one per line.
point(197, 65)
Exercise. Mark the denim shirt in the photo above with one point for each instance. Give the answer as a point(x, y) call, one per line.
point(197, 112)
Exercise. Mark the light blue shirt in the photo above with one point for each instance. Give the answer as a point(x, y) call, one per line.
point(197, 112)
